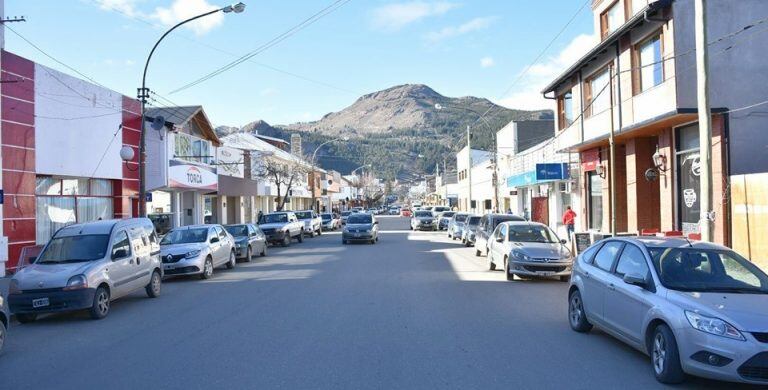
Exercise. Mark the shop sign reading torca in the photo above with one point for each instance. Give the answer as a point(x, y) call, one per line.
point(185, 175)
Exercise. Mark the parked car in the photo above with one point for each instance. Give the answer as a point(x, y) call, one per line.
point(312, 223)
point(197, 250)
point(486, 227)
point(5, 322)
point(249, 239)
point(330, 221)
point(423, 220)
point(444, 218)
point(344, 216)
point(529, 249)
point(361, 227)
point(280, 227)
point(163, 222)
point(406, 212)
point(456, 225)
point(394, 211)
point(469, 231)
point(87, 266)
point(695, 308)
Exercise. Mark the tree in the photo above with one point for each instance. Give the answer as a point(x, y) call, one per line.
point(284, 174)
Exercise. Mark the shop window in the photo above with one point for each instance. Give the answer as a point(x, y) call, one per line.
point(688, 178)
point(565, 110)
point(64, 201)
point(192, 149)
point(610, 20)
point(598, 92)
point(648, 69)
point(595, 183)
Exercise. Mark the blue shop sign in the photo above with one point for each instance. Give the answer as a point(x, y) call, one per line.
point(557, 171)
point(523, 179)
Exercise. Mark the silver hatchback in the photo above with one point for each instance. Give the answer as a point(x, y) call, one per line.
point(696, 308)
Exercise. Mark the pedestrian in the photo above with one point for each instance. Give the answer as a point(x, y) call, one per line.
point(261, 214)
point(509, 211)
point(569, 220)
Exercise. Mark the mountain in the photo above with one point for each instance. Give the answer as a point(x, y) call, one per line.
point(403, 130)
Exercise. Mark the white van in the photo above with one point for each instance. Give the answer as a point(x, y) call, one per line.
point(86, 266)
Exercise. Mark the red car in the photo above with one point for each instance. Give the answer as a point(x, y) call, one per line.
point(405, 213)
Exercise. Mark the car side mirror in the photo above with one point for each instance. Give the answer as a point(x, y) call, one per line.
point(563, 241)
point(214, 240)
point(635, 280)
point(499, 239)
point(119, 254)
point(376, 222)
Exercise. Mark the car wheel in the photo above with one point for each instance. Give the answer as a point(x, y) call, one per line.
point(100, 306)
point(154, 285)
point(207, 268)
point(665, 356)
point(478, 253)
point(491, 264)
point(449, 235)
point(26, 318)
point(248, 254)
point(576, 316)
point(301, 237)
point(264, 250)
point(506, 270)
point(319, 231)
point(286, 241)
point(2, 335)
point(232, 260)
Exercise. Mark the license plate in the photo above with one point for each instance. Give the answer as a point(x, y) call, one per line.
point(40, 302)
point(357, 234)
point(170, 266)
point(547, 273)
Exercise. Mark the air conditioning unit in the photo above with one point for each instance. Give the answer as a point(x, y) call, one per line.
point(565, 187)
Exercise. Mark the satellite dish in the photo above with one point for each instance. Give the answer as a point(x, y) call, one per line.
point(158, 123)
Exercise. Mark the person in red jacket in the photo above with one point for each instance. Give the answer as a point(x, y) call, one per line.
point(569, 220)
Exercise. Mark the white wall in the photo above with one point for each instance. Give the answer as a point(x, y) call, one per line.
point(76, 124)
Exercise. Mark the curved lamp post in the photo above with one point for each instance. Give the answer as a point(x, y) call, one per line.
point(314, 169)
point(143, 94)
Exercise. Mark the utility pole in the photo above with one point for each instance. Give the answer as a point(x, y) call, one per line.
point(705, 121)
point(495, 177)
point(612, 154)
point(469, 169)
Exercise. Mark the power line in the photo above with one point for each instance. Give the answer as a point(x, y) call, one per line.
point(274, 41)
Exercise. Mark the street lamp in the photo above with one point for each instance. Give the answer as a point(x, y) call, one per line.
point(143, 95)
point(314, 168)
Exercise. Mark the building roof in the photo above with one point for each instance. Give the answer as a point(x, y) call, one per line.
point(266, 137)
point(181, 115)
point(247, 141)
point(610, 40)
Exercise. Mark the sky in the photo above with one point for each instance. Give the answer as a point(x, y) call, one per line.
point(459, 48)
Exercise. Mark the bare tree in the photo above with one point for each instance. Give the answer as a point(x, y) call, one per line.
point(284, 174)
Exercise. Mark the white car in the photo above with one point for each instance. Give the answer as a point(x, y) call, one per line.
point(331, 221)
point(313, 224)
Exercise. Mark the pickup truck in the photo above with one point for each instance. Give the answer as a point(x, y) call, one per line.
point(312, 222)
point(280, 227)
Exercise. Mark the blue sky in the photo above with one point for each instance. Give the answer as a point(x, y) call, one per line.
point(459, 48)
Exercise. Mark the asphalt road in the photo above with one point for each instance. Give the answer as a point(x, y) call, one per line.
point(415, 311)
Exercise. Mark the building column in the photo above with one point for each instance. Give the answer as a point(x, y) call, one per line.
point(667, 218)
point(197, 208)
point(176, 208)
point(642, 195)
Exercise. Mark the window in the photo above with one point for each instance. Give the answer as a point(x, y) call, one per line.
point(610, 20)
point(598, 92)
point(589, 253)
point(63, 201)
point(221, 233)
point(649, 69)
point(192, 149)
point(595, 200)
point(606, 255)
point(706, 270)
point(565, 110)
point(121, 246)
point(688, 178)
point(632, 261)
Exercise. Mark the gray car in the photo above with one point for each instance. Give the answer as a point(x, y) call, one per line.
point(695, 308)
point(456, 225)
point(361, 227)
point(197, 250)
point(528, 249)
point(86, 266)
point(423, 220)
point(470, 229)
point(249, 240)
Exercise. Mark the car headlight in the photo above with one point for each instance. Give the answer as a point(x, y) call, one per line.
point(713, 326)
point(76, 282)
point(520, 256)
point(192, 254)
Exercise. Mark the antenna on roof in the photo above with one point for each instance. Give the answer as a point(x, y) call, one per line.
point(690, 244)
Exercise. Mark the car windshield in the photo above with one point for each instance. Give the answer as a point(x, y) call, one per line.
point(74, 249)
point(303, 214)
point(531, 233)
point(185, 236)
point(461, 217)
point(326, 217)
point(423, 214)
point(346, 213)
point(360, 219)
point(707, 270)
point(274, 218)
point(506, 218)
point(237, 230)
point(473, 221)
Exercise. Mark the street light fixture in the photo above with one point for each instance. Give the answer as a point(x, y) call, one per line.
point(143, 95)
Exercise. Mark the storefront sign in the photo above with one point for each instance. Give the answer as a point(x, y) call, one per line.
point(524, 179)
point(185, 175)
point(583, 241)
point(557, 171)
point(230, 162)
point(590, 159)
